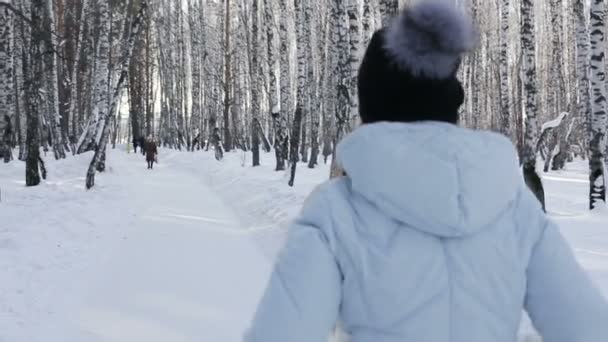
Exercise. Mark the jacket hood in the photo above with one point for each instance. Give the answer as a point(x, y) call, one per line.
point(435, 177)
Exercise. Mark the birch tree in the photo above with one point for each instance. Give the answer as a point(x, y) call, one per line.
point(273, 91)
point(78, 51)
point(255, 84)
point(281, 143)
point(343, 73)
point(505, 108)
point(528, 46)
point(302, 34)
point(102, 141)
point(52, 82)
point(582, 61)
point(227, 76)
point(7, 98)
point(597, 145)
point(32, 69)
point(354, 37)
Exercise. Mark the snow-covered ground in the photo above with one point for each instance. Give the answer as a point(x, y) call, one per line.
point(181, 253)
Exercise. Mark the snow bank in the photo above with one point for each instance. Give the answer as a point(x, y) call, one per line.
point(49, 236)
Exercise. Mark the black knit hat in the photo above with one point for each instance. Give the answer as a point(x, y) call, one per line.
point(409, 70)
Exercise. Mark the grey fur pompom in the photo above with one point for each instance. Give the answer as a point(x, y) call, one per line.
point(429, 38)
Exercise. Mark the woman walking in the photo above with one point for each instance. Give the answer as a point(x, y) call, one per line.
point(431, 235)
point(151, 151)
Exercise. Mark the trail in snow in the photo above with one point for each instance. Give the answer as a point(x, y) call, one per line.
point(182, 274)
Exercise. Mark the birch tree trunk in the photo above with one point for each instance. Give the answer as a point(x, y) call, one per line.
point(273, 91)
point(20, 58)
point(354, 36)
point(52, 83)
point(91, 135)
point(556, 99)
point(528, 46)
point(227, 78)
point(582, 61)
point(597, 145)
point(318, 84)
point(74, 75)
point(505, 109)
point(7, 94)
point(33, 68)
point(281, 144)
point(302, 34)
point(102, 71)
point(343, 73)
point(256, 89)
point(195, 66)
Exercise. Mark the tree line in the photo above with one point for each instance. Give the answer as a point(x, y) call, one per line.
point(279, 76)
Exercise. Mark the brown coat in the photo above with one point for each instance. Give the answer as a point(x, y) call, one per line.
point(151, 150)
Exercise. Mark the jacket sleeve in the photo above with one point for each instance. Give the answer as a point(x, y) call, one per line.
point(302, 301)
point(561, 300)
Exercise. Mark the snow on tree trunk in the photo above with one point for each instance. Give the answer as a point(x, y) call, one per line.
point(597, 146)
point(549, 140)
point(528, 46)
point(7, 94)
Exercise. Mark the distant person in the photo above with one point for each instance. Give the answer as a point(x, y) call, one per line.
point(432, 234)
point(151, 151)
point(135, 144)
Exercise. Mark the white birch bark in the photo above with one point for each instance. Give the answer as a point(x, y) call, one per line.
point(7, 94)
point(52, 84)
point(598, 121)
point(529, 76)
point(505, 108)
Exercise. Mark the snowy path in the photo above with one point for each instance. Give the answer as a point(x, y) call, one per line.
point(159, 256)
point(188, 270)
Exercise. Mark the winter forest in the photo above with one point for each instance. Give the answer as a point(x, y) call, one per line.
point(246, 84)
point(280, 77)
